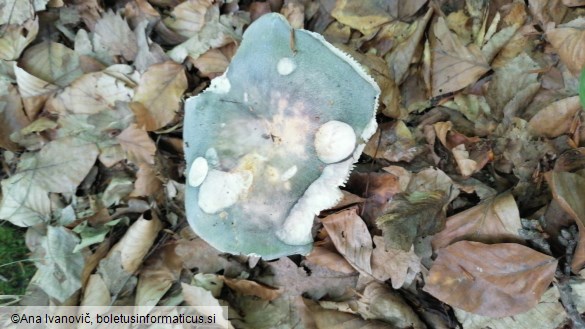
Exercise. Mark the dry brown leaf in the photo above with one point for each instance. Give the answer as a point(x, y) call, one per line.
point(319, 282)
point(379, 302)
point(400, 58)
point(466, 166)
point(62, 164)
point(330, 259)
point(364, 16)
point(215, 61)
point(567, 39)
point(520, 73)
point(96, 292)
point(197, 296)
point(574, 3)
point(206, 259)
point(52, 62)
point(137, 144)
point(494, 220)
point(160, 90)
point(495, 280)
point(91, 94)
point(252, 288)
point(116, 36)
point(12, 116)
point(188, 18)
point(34, 91)
point(351, 237)
point(395, 264)
point(556, 119)
point(328, 319)
point(15, 38)
point(454, 66)
point(147, 183)
point(378, 188)
point(394, 142)
point(160, 271)
point(569, 191)
point(135, 244)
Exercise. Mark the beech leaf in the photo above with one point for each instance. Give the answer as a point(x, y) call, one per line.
point(495, 280)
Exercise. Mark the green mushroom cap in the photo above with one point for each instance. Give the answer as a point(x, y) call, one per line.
point(270, 141)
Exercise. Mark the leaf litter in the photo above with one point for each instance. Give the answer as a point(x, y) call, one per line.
point(465, 210)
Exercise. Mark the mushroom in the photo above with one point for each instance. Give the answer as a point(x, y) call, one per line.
point(268, 144)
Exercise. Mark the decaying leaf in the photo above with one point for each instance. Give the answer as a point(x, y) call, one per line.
point(495, 220)
point(410, 216)
point(137, 144)
point(96, 292)
point(568, 41)
point(115, 35)
point(395, 264)
point(569, 191)
point(454, 66)
point(59, 269)
point(556, 119)
point(351, 238)
point(16, 37)
point(91, 94)
point(495, 280)
point(159, 91)
point(137, 241)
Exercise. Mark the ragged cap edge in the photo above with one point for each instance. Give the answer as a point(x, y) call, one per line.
point(323, 193)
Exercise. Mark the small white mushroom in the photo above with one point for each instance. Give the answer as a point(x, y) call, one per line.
point(198, 171)
point(222, 189)
point(334, 141)
point(285, 66)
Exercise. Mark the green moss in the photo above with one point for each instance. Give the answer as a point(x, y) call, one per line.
point(15, 269)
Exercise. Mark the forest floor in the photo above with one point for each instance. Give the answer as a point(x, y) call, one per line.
point(466, 209)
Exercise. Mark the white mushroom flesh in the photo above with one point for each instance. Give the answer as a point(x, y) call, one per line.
point(198, 171)
point(334, 141)
point(285, 66)
point(222, 189)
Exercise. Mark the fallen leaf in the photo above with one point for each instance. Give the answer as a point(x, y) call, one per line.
point(325, 319)
point(567, 39)
point(454, 66)
point(251, 288)
point(518, 72)
point(330, 259)
point(24, 202)
point(34, 91)
point(188, 17)
point(96, 292)
point(160, 271)
point(410, 216)
point(569, 190)
point(12, 115)
point(378, 302)
point(494, 220)
point(495, 280)
point(54, 256)
point(91, 94)
point(138, 145)
point(137, 241)
point(16, 38)
point(395, 264)
point(17, 12)
point(350, 235)
point(147, 183)
point(364, 17)
point(159, 91)
point(556, 119)
point(52, 62)
point(116, 36)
